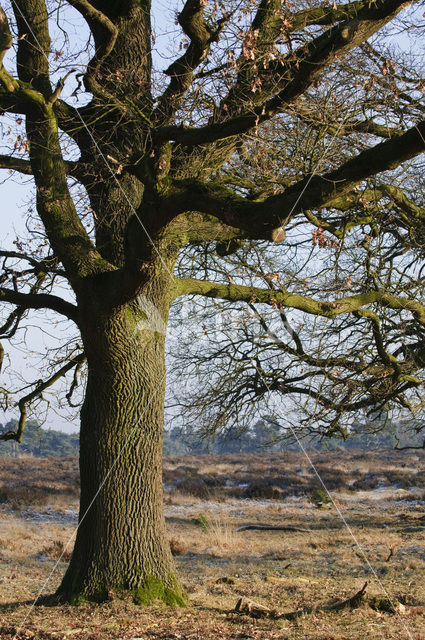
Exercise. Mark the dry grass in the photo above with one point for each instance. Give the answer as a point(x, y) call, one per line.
point(276, 476)
point(38, 481)
point(217, 564)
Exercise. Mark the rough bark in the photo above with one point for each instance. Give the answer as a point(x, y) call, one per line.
point(121, 541)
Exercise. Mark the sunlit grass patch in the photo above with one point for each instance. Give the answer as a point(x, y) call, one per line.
point(286, 570)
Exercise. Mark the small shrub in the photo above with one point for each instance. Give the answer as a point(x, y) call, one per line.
point(24, 496)
point(187, 470)
point(366, 483)
point(202, 521)
point(335, 478)
point(265, 491)
point(320, 498)
point(225, 580)
point(57, 550)
point(213, 481)
point(177, 547)
point(223, 537)
point(418, 479)
point(195, 487)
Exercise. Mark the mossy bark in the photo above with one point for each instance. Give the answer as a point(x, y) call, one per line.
point(121, 542)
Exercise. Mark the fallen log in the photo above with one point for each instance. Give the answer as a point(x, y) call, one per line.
point(269, 527)
point(385, 604)
point(256, 610)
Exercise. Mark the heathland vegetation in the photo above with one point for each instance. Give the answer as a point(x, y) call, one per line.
point(314, 562)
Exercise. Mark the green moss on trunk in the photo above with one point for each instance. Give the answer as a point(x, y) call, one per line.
point(153, 588)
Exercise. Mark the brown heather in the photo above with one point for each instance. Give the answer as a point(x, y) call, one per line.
point(283, 570)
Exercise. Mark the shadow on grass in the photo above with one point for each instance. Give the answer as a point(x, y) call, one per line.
point(45, 600)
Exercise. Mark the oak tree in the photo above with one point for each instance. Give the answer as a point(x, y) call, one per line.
point(226, 146)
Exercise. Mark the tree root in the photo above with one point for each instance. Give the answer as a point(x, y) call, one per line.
point(255, 610)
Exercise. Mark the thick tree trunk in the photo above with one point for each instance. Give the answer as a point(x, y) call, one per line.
point(121, 543)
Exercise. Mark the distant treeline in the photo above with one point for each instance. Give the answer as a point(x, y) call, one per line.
point(39, 442)
point(265, 435)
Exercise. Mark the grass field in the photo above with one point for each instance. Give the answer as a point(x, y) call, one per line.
point(380, 494)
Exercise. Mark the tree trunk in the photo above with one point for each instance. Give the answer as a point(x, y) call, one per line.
point(121, 543)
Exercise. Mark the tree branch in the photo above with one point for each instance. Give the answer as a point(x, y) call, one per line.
point(39, 301)
point(33, 43)
point(196, 228)
point(67, 235)
point(105, 34)
point(45, 265)
point(402, 201)
point(16, 164)
point(277, 298)
point(266, 219)
point(37, 392)
point(298, 75)
point(201, 35)
point(340, 407)
point(12, 87)
point(271, 10)
point(336, 128)
point(355, 363)
point(24, 166)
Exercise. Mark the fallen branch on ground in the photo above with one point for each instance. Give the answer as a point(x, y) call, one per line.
point(390, 555)
point(269, 527)
point(255, 610)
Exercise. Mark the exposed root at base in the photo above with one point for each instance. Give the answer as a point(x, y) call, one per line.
point(256, 610)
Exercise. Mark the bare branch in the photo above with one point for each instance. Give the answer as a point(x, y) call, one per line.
point(74, 383)
point(39, 301)
point(105, 34)
point(405, 203)
point(298, 75)
point(265, 219)
point(33, 43)
point(5, 35)
point(16, 164)
point(277, 298)
point(36, 393)
point(54, 203)
point(201, 36)
point(46, 265)
point(24, 166)
point(398, 448)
